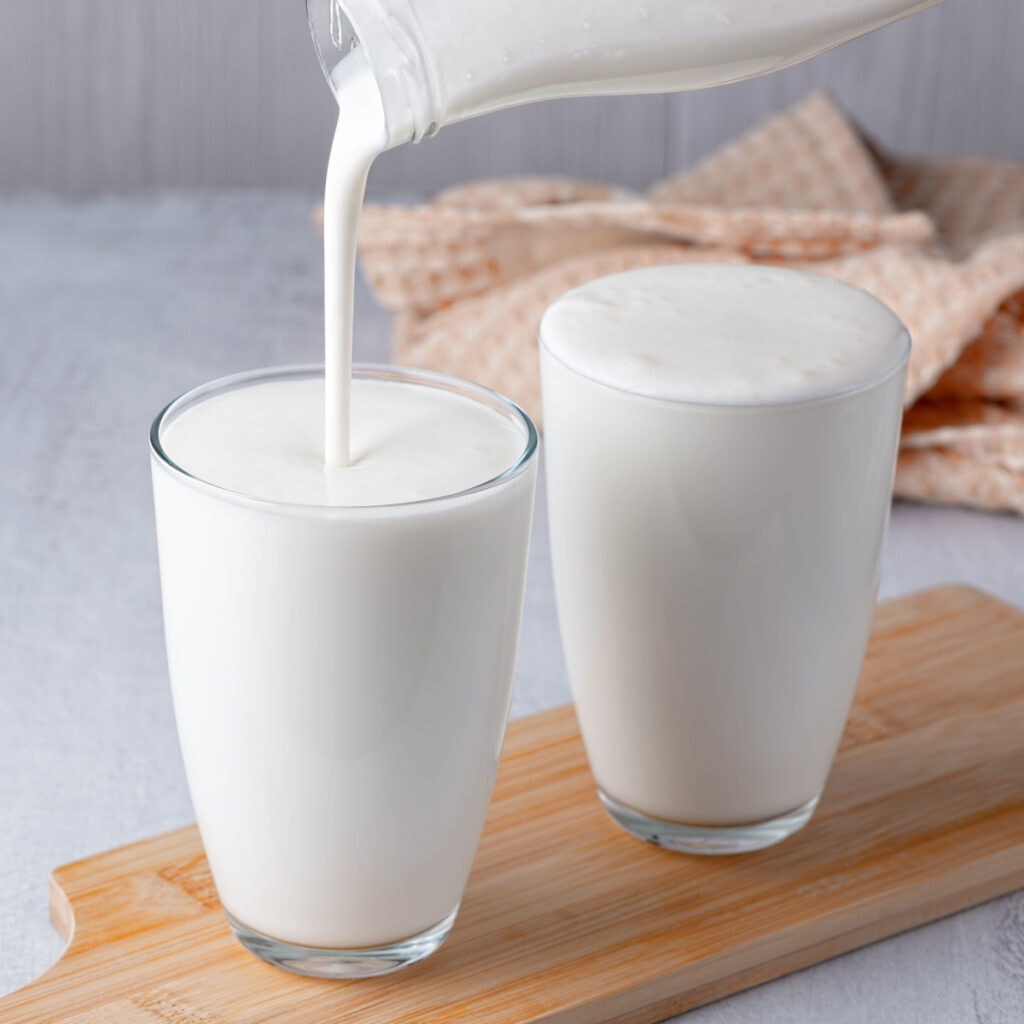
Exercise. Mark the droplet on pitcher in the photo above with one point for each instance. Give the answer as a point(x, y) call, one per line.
point(643, 12)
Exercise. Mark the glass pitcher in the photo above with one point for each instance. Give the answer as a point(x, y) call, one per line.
point(438, 61)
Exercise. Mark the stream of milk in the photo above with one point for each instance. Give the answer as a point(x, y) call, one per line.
point(360, 136)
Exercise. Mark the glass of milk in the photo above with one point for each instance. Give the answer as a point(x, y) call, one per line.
point(341, 646)
point(720, 445)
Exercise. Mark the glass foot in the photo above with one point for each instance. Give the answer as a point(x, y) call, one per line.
point(705, 839)
point(343, 963)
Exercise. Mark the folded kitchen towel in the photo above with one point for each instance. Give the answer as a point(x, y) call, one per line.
point(469, 275)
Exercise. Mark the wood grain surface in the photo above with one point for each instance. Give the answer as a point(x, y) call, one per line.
point(117, 94)
point(567, 920)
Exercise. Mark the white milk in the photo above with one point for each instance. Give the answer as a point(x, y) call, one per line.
point(720, 443)
point(359, 137)
point(341, 672)
point(516, 51)
point(442, 61)
point(409, 443)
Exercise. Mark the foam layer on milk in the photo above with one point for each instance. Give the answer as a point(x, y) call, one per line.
point(725, 334)
point(409, 443)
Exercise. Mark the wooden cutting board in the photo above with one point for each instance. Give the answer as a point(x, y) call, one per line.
point(567, 920)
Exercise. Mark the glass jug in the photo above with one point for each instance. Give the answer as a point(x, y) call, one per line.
point(438, 61)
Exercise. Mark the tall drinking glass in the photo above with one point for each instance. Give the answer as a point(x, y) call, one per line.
point(720, 445)
point(341, 681)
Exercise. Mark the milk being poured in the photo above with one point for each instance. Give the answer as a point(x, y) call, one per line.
point(360, 135)
point(342, 579)
point(430, 62)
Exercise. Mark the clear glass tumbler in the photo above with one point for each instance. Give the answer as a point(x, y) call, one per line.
point(341, 680)
point(716, 565)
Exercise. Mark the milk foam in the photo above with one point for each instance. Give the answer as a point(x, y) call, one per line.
point(409, 443)
point(725, 334)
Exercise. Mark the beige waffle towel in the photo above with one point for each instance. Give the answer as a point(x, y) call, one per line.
point(470, 274)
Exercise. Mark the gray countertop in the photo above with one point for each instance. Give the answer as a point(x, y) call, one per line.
point(109, 307)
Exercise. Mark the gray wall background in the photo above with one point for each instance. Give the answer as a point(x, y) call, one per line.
point(99, 95)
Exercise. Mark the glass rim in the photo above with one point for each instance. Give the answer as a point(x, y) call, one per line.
point(711, 405)
point(372, 371)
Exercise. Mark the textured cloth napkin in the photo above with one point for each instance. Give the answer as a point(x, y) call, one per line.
point(469, 275)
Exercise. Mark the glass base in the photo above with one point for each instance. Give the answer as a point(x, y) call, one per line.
point(343, 963)
point(708, 839)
